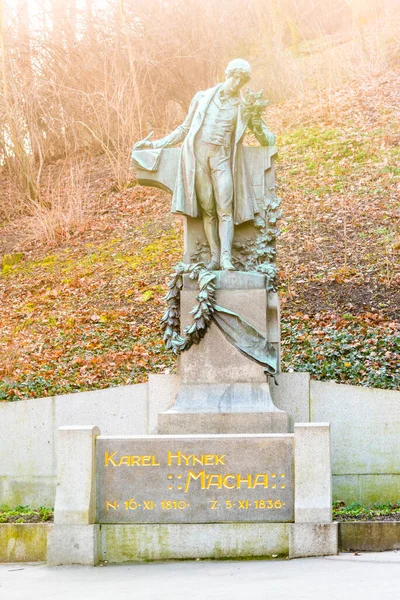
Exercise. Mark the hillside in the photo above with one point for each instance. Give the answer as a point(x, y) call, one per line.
point(82, 313)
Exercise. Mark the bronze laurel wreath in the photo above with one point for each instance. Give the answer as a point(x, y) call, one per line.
point(202, 312)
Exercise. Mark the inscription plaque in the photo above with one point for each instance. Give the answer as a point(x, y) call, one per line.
point(195, 479)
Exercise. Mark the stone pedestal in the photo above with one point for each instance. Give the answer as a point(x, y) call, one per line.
point(221, 390)
point(182, 497)
point(313, 477)
point(203, 423)
point(75, 537)
point(74, 545)
point(223, 408)
point(313, 539)
point(215, 360)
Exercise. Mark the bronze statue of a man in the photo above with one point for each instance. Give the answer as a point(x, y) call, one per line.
point(212, 180)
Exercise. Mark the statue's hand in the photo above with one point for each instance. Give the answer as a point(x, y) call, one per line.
point(143, 144)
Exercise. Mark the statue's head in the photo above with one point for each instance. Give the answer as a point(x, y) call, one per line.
point(237, 74)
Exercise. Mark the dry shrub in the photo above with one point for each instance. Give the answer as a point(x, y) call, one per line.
point(96, 84)
point(65, 207)
point(328, 61)
point(9, 356)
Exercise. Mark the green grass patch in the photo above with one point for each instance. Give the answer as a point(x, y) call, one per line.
point(26, 514)
point(357, 512)
point(331, 151)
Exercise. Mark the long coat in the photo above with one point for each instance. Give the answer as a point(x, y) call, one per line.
point(184, 199)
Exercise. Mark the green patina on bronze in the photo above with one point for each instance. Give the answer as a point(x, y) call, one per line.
point(213, 180)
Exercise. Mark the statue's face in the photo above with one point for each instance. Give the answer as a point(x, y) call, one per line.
point(235, 82)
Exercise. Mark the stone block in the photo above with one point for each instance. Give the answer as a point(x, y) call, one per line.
point(374, 536)
point(162, 395)
point(230, 280)
point(313, 539)
point(117, 410)
point(313, 473)
point(274, 321)
point(215, 360)
point(223, 408)
point(74, 545)
point(126, 543)
point(28, 491)
point(367, 489)
point(223, 398)
point(292, 395)
point(27, 465)
point(219, 423)
point(23, 542)
point(30, 422)
point(76, 477)
point(195, 479)
point(365, 426)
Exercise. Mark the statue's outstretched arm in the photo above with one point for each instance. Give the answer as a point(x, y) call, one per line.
point(177, 135)
point(264, 136)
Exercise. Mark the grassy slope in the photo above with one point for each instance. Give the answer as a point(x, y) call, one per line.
point(85, 314)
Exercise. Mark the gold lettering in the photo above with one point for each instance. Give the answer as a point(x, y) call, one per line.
point(263, 482)
point(130, 461)
point(225, 479)
point(211, 481)
point(187, 459)
point(109, 458)
point(111, 505)
point(214, 504)
point(193, 460)
point(239, 481)
point(171, 456)
point(191, 476)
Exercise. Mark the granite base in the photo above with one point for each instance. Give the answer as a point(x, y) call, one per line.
point(170, 423)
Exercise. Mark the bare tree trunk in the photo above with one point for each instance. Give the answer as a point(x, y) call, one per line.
point(278, 22)
point(23, 20)
point(22, 161)
point(71, 22)
point(263, 16)
point(90, 32)
point(132, 66)
point(24, 39)
point(59, 17)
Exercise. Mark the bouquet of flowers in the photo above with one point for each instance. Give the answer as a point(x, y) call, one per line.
point(254, 104)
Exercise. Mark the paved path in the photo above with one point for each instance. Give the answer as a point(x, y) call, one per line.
point(345, 577)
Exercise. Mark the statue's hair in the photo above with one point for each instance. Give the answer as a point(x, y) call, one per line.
point(238, 65)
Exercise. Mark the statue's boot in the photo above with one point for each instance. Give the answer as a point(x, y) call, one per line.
point(226, 236)
point(226, 264)
point(211, 231)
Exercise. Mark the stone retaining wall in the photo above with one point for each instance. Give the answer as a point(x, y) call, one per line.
point(365, 432)
point(23, 542)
